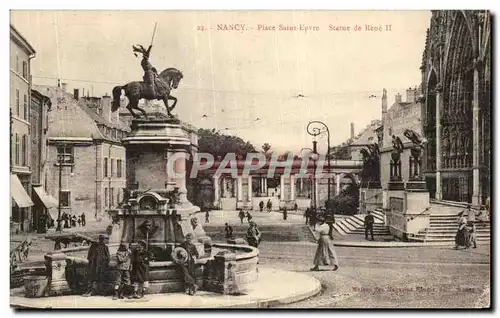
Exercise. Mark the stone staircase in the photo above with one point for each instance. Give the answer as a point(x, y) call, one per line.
point(355, 224)
point(443, 228)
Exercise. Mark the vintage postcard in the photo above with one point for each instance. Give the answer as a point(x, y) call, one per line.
point(250, 159)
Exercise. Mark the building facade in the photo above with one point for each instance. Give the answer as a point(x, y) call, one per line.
point(86, 158)
point(21, 53)
point(43, 202)
point(400, 116)
point(456, 113)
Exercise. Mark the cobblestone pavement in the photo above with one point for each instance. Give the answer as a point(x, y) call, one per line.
point(437, 277)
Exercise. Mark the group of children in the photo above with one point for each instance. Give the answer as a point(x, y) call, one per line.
point(133, 268)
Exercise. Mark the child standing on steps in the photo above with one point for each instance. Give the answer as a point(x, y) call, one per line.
point(140, 269)
point(123, 266)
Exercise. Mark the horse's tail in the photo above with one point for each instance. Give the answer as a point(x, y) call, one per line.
point(117, 92)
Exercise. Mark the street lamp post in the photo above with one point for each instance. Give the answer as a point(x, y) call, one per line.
point(315, 131)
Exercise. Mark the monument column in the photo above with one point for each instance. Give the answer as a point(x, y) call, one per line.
point(282, 188)
point(292, 187)
point(337, 184)
point(216, 190)
point(180, 168)
point(240, 188)
point(301, 186)
point(249, 188)
point(476, 191)
point(224, 187)
point(439, 192)
point(264, 188)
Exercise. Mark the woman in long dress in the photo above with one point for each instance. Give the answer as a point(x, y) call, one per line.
point(325, 253)
point(462, 237)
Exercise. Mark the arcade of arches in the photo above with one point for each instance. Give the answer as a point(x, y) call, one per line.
point(229, 193)
point(456, 73)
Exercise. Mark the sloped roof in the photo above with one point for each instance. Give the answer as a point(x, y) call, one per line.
point(99, 119)
point(67, 119)
point(367, 135)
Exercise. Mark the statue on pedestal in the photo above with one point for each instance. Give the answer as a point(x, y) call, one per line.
point(371, 164)
point(416, 151)
point(398, 148)
point(153, 87)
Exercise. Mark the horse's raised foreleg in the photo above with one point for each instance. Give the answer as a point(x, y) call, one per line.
point(129, 107)
point(169, 109)
point(165, 101)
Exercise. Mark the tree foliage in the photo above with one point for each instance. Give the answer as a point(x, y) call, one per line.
point(342, 152)
point(347, 201)
point(213, 142)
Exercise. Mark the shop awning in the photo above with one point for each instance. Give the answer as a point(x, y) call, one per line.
point(18, 193)
point(53, 212)
point(47, 200)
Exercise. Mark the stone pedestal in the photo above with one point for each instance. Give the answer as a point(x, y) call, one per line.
point(55, 265)
point(157, 209)
point(370, 196)
point(408, 210)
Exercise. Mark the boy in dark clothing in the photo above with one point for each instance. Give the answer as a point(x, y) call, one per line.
point(188, 268)
point(83, 219)
point(369, 220)
point(140, 269)
point(79, 221)
point(123, 264)
point(261, 205)
point(98, 258)
point(249, 217)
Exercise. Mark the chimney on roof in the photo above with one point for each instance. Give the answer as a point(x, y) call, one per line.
point(397, 98)
point(411, 95)
point(64, 87)
point(106, 107)
point(76, 93)
point(352, 131)
point(384, 103)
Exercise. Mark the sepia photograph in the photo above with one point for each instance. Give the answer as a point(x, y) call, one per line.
point(278, 159)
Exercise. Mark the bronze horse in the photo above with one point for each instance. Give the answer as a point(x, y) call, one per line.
point(135, 91)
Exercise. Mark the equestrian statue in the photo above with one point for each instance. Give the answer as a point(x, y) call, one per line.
point(371, 163)
point(417, 140)
point(153, 87)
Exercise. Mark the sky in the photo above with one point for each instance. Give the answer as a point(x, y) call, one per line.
point(244, 82)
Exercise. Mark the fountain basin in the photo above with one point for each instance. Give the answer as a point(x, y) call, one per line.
point(229, 270)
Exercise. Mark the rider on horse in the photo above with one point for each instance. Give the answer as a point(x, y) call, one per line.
point(150, 73)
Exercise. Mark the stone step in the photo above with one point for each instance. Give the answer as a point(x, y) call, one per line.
point(451, 241)
point(338, 229)
point(343, 227)
point(349, 225)
point(354, 223)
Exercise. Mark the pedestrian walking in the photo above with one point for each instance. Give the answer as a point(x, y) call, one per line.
point(261, 206)
point(470, 213)
point(462, 236)
point(471, 228)
point(73, 221)
point(83, 219)
point(269, 205)
point(79, 221)
point(140, 269)
point(98, 257)
point(285, 213)
point(369, 220)
point(313, 218)
point(325, 252)
point(207, 217)
point(123, 266)
point(249, 217)
point(228, 229)
point(241, 215)
point(307, 215)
